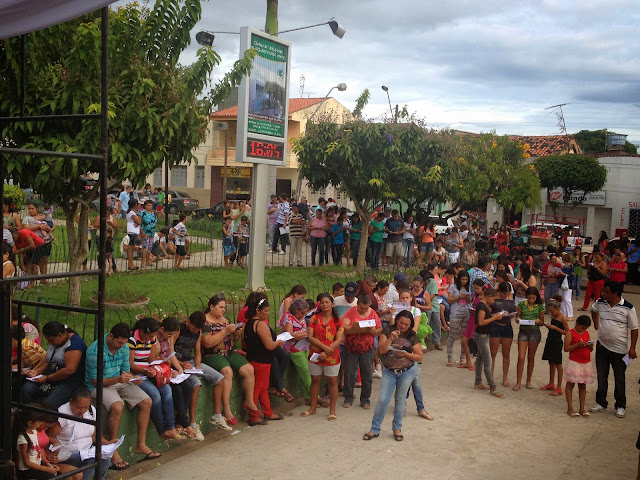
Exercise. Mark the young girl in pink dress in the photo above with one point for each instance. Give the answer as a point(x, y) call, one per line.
point(579, 370)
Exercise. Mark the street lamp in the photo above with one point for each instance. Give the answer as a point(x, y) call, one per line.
point(341, 87)
point(386, 89)
point(206, 37)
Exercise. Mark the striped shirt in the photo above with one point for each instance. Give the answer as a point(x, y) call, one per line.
point(32, 353)
point(296, 229)
point(283, 211)
point(615, 323)
point(141, 349)
point(114, 363)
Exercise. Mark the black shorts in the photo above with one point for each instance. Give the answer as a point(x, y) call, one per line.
point(181, 250)
point(33, 257)
point(134, 239)
point(243, 249)
point(33, 475)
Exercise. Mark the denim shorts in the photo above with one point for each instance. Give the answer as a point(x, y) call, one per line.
point(501, 331)
point(426, 247)
point(529, 336)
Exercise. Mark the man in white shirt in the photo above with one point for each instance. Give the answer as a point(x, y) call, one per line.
point(613, 318)
point(348, 300)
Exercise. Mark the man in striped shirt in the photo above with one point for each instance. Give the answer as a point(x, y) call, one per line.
point(615, 320)
point(297, 226)
point(282, 221)
point(118, 387)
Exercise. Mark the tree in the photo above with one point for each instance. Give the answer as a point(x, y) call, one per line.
point(575, 175)
point(356, 156)
point(596, 141)
point(465, 171)
point(155, 112)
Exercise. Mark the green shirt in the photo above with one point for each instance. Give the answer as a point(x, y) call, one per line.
point(432, 289)
point(533, 314)
point(356, 235)
point(161, 198)
point(378, 228)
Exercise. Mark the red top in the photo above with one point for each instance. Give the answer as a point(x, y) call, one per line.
point(580, 354)
point(360, 342)
point(617, 276)
point(24, 235)
point(326, 334)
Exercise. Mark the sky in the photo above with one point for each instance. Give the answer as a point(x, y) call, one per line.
point(473, 65)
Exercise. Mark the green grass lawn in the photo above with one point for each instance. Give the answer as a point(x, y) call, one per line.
point(182, 292)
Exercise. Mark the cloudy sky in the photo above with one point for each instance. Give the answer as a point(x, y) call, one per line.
point(475, 65)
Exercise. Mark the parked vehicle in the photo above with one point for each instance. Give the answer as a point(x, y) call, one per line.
point(443, 226)
point(215, 211)
point(182, 202)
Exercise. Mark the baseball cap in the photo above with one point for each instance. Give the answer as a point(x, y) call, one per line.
point(400, 277)
point(350, 289)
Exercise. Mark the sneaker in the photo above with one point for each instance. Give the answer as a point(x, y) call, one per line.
point(219, 421)
point(377, 373)
point(599, 408)
point(270, 251)
point(199, 436)
point(282, 253)
point(620, 412)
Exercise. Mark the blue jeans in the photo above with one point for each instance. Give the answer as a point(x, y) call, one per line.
point(576, 285)
point(76, 461)
point(317, 244)
point(400, 382)
point(355, 249)
point(279, 366)
point(551, 289)
point(417, 390)
point(376, 248)
point(435, 324)
point(162, 414)
point(60, 394)
point(407, 244)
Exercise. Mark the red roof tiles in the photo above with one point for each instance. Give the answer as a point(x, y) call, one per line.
point(295, 104)
point(548, 144)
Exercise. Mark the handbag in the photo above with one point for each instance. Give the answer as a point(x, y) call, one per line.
point(162, 374)
point(565, 284)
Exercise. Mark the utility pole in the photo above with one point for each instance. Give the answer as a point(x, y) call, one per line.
point(561, 123)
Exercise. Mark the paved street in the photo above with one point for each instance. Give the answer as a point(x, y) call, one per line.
point(527, 435)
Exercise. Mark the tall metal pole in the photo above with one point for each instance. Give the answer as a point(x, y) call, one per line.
point(224, 175)
point(166, 193)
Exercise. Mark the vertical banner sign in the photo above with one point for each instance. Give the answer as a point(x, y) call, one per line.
point(263, 100)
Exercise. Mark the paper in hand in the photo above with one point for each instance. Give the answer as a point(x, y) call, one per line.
point(107, 450)
point(181, 377)
point(367, 323)
point(195, 371)
point(627, 359)
point(314, 357)
point(284, 336)
point(158, 362)
point(33, 379)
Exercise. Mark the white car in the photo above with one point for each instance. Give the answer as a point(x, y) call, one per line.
point(443, 227)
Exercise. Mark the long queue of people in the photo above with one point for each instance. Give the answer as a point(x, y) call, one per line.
point(363, 330)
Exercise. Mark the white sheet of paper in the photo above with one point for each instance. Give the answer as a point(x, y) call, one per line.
point(195, 371)
point(394, 349)
point(181, 377)
point(284, 336)
point(591, 342)
point(33, 379)
point(314, 357)
point(54, 449)
point(627, 359)
point(398, 307)
point(526, 322)
point(367, 323)
point(440, 300)
point(284, 230)
point(135, 379)
point(107, 450)
point(158, 362)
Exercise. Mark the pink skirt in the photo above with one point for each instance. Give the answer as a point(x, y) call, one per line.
point(471, 326)
point(575, 372)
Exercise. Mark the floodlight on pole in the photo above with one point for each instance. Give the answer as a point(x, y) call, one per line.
point(386, 89)
point(206, 37)
point(341, 87)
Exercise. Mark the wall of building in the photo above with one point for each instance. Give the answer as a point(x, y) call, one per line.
point(621, 203)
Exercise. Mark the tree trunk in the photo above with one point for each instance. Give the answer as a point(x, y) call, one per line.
point(78, 250)
point(364, 239)
point(271, 23)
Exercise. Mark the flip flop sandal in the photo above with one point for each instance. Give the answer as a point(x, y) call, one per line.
point(585, 414)
point(119, 466)
point(480, 387)
point(288, 397)
point(574, 415)
point(449, 364)
point(277, 417)
point(307, 413)
point(398, 436)
point(496, 394)
point(331, 418)
point(150, 456)
point(369, 436)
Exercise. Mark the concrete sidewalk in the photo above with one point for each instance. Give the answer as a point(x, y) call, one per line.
point(527, 435)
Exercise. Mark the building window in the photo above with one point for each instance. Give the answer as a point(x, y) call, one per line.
point(199, 177)
point(179, 176)
point(157, 177)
